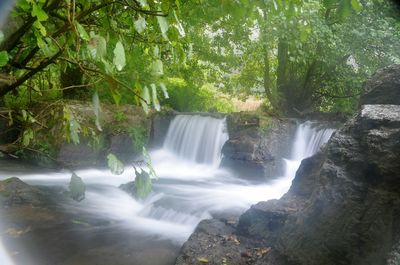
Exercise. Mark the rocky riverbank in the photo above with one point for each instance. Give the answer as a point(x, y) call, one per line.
point(343, 206)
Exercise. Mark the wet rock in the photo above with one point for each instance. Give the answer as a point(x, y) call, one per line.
point(129, 188)
point(159, 128)
point(383, 87)
point(77, 155)
point(122, 146)
point(216, 242)
point(14, 191)
point(257, 145)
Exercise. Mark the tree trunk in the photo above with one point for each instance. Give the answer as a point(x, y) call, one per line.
point(282, 75)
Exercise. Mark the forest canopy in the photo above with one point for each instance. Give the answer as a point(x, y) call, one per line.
point(299, 56)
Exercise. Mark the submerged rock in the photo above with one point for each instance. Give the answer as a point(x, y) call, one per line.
point(129, 188)
point(14, 191)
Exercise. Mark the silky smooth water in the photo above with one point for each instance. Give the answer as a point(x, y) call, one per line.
point(190, 185)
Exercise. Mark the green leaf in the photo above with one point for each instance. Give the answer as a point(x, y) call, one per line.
point(74, 129)
point(156, 103)
point(98, 47)
point(108, 67)
point(24, 5)
point(146, 96)
point(116, 96)
point(156, 51)
point(115, 165)
point(164, 90)
point(203, 260)
point(1, 36)
point(82, 32)
point(40, 27)
point(77, 188)
point(119, 56)
point(356, 5)
point(39, 13)
point(27, 136)
point(147, 159)
point(46, 46)
point(96, 109)
point(24, 115)
point(140, 24)
point(179, 26)
point(142, 184)
point(162, 22)
point(344, 9)
point(157, 68)
point(143, 3)
point(3, 58)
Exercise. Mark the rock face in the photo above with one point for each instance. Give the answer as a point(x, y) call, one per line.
point(159, 128)
point(383, 87)
point(344, 204)
point(257, 145)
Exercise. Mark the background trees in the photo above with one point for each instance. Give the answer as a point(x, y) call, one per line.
point(303, 56)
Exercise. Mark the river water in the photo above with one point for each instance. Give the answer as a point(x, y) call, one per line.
point(190, 187)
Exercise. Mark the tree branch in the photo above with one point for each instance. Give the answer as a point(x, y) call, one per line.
point(5, 89)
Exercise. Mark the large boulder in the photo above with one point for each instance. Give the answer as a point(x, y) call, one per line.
point(383, 87)
point(257, 145)
point(159, 128)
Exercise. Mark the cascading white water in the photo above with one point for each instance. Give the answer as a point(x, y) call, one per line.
point(308, 140)
point(197, 138)
point(186, 190)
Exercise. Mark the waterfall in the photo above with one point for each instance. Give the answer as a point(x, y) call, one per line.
point(307, 141)
point(197, 138)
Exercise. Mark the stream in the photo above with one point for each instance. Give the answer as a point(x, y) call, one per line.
point(111, 227)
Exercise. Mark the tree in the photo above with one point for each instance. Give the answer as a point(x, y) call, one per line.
point(303, 55)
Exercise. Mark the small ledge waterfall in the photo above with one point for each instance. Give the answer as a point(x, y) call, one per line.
point(197, 138)
point(308, 140)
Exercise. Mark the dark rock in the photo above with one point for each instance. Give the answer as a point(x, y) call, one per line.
point(78, 155)
point(122, 146)
point(383, 87)
point(14, 191)
point(159, 128)
point(215, 242)
point(129, 188)
point(257, 145)
point(8, 133)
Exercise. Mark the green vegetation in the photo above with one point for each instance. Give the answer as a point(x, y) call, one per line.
point(139, 136)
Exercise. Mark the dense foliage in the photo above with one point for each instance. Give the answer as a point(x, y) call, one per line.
point(301, 56)
point(304, 56)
